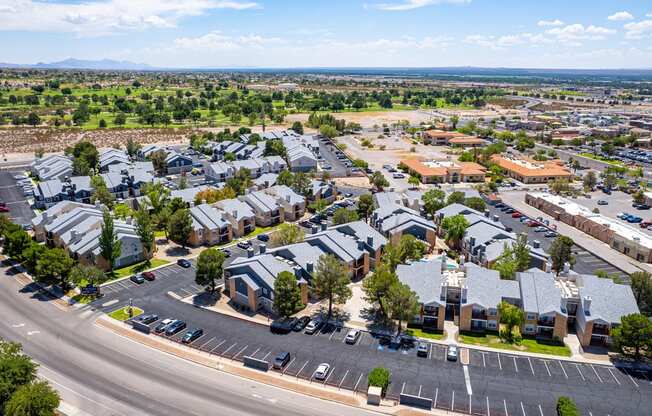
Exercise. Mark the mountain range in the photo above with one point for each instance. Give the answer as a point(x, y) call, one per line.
point(71, 63)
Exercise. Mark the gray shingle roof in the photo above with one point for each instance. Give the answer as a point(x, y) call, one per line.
point(424, 278)
point(539, 293)
point(263, 267)
point(361, 230)
point(234, 206)
point(609, 301)
point(486, 289)
point(343, 247)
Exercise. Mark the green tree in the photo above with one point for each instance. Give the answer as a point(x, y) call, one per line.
point(456, 197)
point(561, 252)
point(365, 206)
point(33, 119)
point(297, 127)
point(145, 230)
point(180, 227)
point(506, 263)
point(409, 248)
point(81, 274)
point(590, 180)
point(16, 369)
point(86, 158)
point(31, 255)
point(402, 303)
point(328, 131)
point(344, 215)
point(376, 286)
point(454, 228)
point(379, 377)
point(101, 192)
point(433, 200)
point(54, 264)
point(476, 203)
point(510, 316)
point(132, 147)
point(285, 177)
point(176, 204)
point(302, 184)
point(287, 294)
point(15, 243)
point(634, 335)
point(454, 120)
point(566, 407)
point(286, 234)
point(641, 283)
point(414, 181)
point(521, 252)
point(158, 160)
point(378, 181)
point(210, 268)
point(318, 206)
point(33, 399)
point(122, 211)
point(157, 196)
point(330, 281)
point(110, 246)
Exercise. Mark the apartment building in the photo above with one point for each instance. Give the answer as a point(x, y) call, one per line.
point(293, 204)
point(621, 237)
point(209, 226)
point(372, 241)
point(444, 171)
point(425, 279)
point(109, 157)
point(347, 249)
point(541, 299)
point(51, 192)
point(52, 167)
point(177, 163)
point(530, 171)
point(240, 215)
point(266, 209)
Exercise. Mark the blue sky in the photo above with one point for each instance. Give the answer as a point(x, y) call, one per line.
point(333, 33)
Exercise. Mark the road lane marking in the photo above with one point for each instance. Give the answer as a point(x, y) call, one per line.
point(467, 380)
point(18, 325)
point(30, 333)
point(469, 404)
point(580, 371)
point(109, 303)
point(563, 369)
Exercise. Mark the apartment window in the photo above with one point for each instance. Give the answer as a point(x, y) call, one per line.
point(528, 329)
point(626, 250)
point(492, 324)
point(492, 312)
point(531, 316)
point(265, 291)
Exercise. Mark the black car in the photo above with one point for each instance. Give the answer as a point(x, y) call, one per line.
point(184, 263)
point(192, 335)
point(305, 224)
point(227, 253)
point(148, 319)
point(281, 360)
point(244, 245)
point(301, 324)
point(263, 237)
point(317, 218)
point(282, 326)
point(175, 327)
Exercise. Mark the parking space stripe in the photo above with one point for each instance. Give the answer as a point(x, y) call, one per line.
point(240, 352)
point(430, 347)
point(202, 345)
point(254, 353)
point(614, 376)
point(470, 410)
point(217, 346)
point(484, 364)
point(228, 349)
point(596, 373)
point(266, 355)
point(505, 405)
point(547, 369)
point(343, 378)
point(329, 375)
point(467, 380)
point(563, 369)
point(453, 401)
point(631, 378)
point(288, 366)
point(499, 364)
point(304, 366)
point(488, 410)
point(434, 405)
point(531, 368)
point(355, 388)
point(515, 365)
point(523, 409)
point(580, 371)
point(540, 410)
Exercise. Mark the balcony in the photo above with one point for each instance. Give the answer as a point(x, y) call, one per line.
point(479, 315)
point(600, 330)
point(546, 322)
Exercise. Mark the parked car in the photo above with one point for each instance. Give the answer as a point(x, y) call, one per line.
point(263, 237)
point(147, 319)
point(602, 202)
point(516, 215)
point(137, 278)
point(533, 223)
point(4, 209)
point(184, 263)
point(244, 244)
point(540, 229)
point(422, 349)
point(550, 234)
point(192, 335)
point(282, 326)
point(162, 326)
point(322, 371)
point(352, 336)
point(175, 327)
point(313, 326)
point(645, 224)
point(227, 252)
point(281, 360)
point(150, 276)
point(301, 324)
point(348, 195)
point(398, 176)
point(451, 353)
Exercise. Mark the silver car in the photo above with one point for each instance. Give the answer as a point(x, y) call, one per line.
point(322, 371)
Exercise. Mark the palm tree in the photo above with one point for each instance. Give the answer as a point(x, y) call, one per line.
point(455, 228)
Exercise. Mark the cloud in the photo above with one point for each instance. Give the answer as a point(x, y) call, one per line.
point(544, 23)
point(216, 41)
point(104, 17)
point(638, 30)
point(578, 31)
point(620, 16)
point(415, 4)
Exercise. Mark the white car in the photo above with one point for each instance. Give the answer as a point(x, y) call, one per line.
point(352, 336)
point(322, 371)
point(451, 354)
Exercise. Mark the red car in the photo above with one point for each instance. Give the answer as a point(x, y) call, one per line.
point(4, 209)
point(149, 276)
point(516, 215)
point(533, 224)
point(645, 224)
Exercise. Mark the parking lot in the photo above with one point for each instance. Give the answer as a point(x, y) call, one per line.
point(585, 262)
point(618, 202)
point(11, 194)
point(327, 150)
point(492, 384)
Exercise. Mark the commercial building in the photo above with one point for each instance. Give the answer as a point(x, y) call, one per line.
point(531, 171)
point(444, 171)
point(450, 138)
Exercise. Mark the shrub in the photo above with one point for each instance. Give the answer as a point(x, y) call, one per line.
point(379, 377)
point(566, 407)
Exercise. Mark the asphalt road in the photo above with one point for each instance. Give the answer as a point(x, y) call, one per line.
point(19, 209)
point(497, 383)
point(103, 374)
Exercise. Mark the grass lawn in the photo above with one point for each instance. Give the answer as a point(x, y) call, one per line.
point(528, 344)
point(138, 268)
point(122, 315)
point(601, 159)
point(83, 299)
point(159, 234)
point(418, 332)
point(260, 230)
